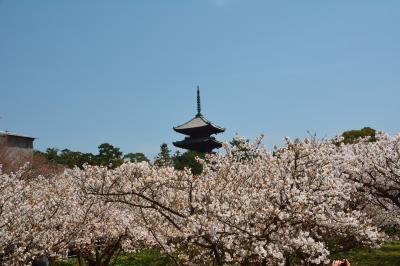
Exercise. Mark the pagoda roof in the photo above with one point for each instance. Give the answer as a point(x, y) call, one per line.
point(197, 126)
point(205, 144)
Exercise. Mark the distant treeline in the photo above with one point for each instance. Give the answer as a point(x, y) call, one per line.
point(112, 157)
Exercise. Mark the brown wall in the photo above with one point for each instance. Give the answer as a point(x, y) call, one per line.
point(16, 141)
point(15, 151)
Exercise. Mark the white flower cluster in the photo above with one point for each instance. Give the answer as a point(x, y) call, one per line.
point(247, 206)
point(375, 168)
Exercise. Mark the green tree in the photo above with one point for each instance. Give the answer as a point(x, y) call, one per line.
point(240, 148)
point(52, 154)
point(67, 157)
point(352, 136)
point(136, 157)
point(188, 159)
point(164, 157)
point(75, 158)
point(109, 156)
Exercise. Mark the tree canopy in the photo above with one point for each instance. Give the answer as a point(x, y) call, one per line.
point(136, 157)
point(108, 155)
point(163, 158)
point(188, 159)
point(352, 136)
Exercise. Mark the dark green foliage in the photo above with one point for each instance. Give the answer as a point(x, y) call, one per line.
point(136, 157)
point(67, 157)
point(52, 154)
point(387, 255)
point(143, 258)
point(236, 142)
point(164, 157)
point(74, 158)
point(352, 136)
point(338, 243)
point(69, 262)
point(188, 159)
point(109, 156)
point(393, 232)
point(240, 149)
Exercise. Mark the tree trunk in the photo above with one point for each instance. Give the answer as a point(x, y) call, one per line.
point(41, 261)
point(218, 258)
point(287, 259)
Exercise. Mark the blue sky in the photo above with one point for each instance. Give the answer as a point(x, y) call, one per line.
point(76, 74)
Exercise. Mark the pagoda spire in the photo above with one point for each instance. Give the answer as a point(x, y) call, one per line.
point(198, 102)
point(198, 132)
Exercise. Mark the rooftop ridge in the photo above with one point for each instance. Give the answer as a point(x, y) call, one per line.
point(8, 133)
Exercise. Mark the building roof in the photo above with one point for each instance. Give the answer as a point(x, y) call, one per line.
point(7, 133)
point(205, 144)
point(198, 124)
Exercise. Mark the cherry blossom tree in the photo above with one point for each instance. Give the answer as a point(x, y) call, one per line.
point(100, 229)
point(248, 206)
point(51, 216)
point(263, 208)
point(375, 168)
point(245, 209)
point(158, 195)
point(29, 225)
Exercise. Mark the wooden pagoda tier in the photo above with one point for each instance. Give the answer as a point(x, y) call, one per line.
point(201, 144)
point(199, 131)
point(198, 126)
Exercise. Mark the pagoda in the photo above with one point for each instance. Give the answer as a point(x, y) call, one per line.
point(198, 131)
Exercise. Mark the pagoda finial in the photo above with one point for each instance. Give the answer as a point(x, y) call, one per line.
point(198, 101)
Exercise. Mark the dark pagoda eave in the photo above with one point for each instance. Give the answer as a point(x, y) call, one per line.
point(199, 131)
point(206, 144)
